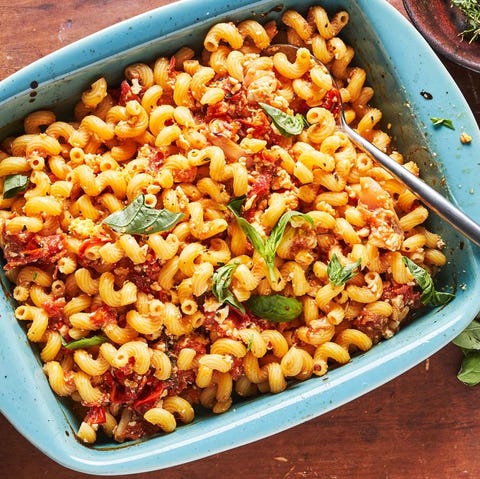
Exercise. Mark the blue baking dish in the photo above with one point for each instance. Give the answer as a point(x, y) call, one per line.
point(401, 67)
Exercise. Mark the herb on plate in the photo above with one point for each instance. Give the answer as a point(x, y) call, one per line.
point(471, 10)
point(338, 274)
point(85, 342)
point(221, 280)
point(425, 282)
point(268, 247)
point(138, 218)
point(469, 342)
point(275, 307)
point(287, 125)
point(14, 184)
point(438, 121)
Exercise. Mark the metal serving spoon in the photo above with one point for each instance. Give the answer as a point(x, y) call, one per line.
point(434, 200)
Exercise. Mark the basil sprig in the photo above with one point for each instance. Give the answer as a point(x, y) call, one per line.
point(85, 342)
point(338, 274)
point(287, 125)
point(138, 218)
point(221, 280)
point(14, 184)
point(266, 247)
point(425, 282)
point(275, 307)
point(469, 342)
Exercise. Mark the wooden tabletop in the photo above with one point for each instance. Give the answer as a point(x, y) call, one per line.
point(424, 424)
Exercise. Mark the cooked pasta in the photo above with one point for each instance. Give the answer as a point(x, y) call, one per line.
point(175, 245)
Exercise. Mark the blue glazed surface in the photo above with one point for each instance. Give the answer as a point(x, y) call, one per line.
point(400, 65)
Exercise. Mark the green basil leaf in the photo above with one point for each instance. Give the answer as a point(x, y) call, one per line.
point(469, 373)
point(252, 234)
point(85, 342)
point(276, 235)
point(14, 184)
point(469, 343)
point(437, 121)
point(221, 280)
point(425, 282)
point(250, 343)
point(287, 125)
point(138, 218)
point(469, 339)
point(338, 274)
point(278, 230)
point(275, 307)
point(235, 205)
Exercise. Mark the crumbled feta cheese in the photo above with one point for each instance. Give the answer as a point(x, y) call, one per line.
point(83, 227)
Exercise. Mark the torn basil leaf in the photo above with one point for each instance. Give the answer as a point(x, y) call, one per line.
point(252, 234)
point(287, 125)
point(138, 218)
point(469, 373)
point(338, 274)
point(14, 184)
point(273, 241)
point(437, 121)
point(469, 338)
point(85, 342)
point(235, 205)
point(278, 230)
point(424, 281)
point(221, 280)
point(275, 307)
point(469, 342)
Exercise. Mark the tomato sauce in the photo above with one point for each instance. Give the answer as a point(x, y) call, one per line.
point(26, 248)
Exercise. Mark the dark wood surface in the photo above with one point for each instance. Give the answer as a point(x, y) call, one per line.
point(424, 424)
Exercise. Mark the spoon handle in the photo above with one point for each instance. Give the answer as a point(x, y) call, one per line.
point(434, 200)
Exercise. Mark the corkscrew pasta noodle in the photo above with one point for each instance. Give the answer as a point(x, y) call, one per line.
point(134, 324)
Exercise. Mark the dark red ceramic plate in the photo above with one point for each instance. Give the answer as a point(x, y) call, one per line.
point(441, 26)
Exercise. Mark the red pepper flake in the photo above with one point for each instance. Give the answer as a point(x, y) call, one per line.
point(332, 101)
point(147, 400)
point(156, 160)
point(104, 315)
point(55, 312)
point(261, 185)
point(126, 93)
point(96, 415)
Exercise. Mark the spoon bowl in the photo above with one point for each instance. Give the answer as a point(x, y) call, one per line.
point(424, 192)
